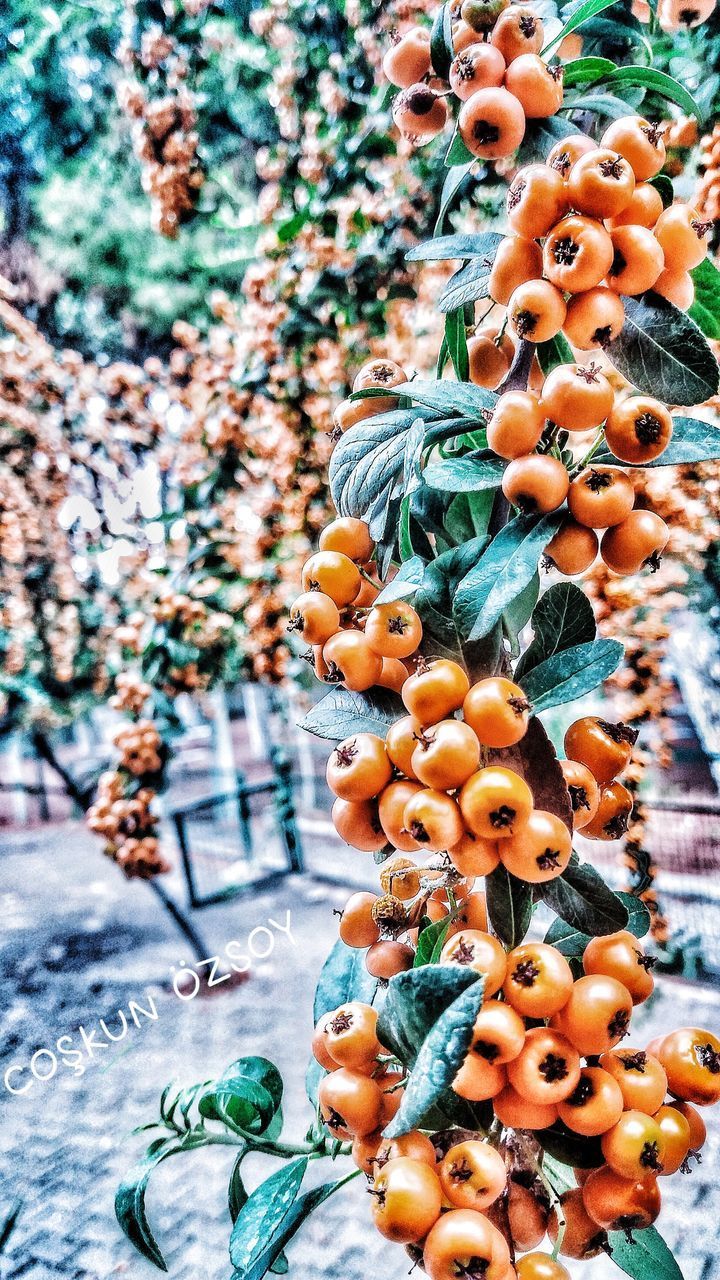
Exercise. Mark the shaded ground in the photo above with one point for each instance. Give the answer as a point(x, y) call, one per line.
point(78, 945)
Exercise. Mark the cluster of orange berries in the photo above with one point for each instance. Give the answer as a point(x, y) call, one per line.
point(604, 234)
point(354, 642)
point(525, 425)
point(441, 785)
point(497, 74)
point(437, 1191)
point(122, 814)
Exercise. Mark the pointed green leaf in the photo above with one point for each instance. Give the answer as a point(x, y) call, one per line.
point(571, 674)
point(341, 713)
point(457, 153)
point(443, 248)
point(441, 42)
point(502, 573)
point(440, 1057)
point(509, 906)
point(414, 1002)
point(343, 978)
point(563, 618)
point(663, 353)
point(645, 1256)
point(581, 13)
point(705, 310)
point(473, 471)
point(581, 898)
point(449, 397)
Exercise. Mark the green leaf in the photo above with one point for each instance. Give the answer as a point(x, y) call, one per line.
point(473, 471)
point(237, 1195)
point(693, 440)
point(261, 1219)
point(443, 248)
point(570, 1148)
point(554, 352)
point(579, 15)
point(581, 898)
point(563, 618)
point(571, 674)
point(405, 583)
point(456, 339)
point(472, 281)
point(430, 942)
point(556, 1172)
point(571, 942)
point(439, 1059)
point(414, 1002)
point(656, 82)
point(130, 1205)
point(247, 1095)
point(441, 42)
point(644, 1257)
point(663, 353)
point(457, 153)
point(367, 465)
point(667, 192)
point(342, 713)
point(586, 71)
point(448, 397)
point(705, 310)
point(540, 136)
point(509, 906)
point(272, 1216)
point(502, 573)
point(601, 104)
point(518, 613)
point(454, 179)
point(343, 978)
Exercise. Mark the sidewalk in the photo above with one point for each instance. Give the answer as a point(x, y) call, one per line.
point(78, 945)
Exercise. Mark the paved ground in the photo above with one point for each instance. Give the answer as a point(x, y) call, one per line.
point(78, 945)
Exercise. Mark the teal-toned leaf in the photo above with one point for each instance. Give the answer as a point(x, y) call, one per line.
point(443, 248)
point(431, 941)
point(571, 942)
point(261, 1218)
point(655, 81)
point(366, 468)
point(581, 898)
point(662, 352)
point(474, 471)
point(518, 613)
point(693, 440)
point(314, 1074)
point(343, 978)
point(449, 397)
point(705, 310)
point(586, 71)
point(644, 1257)
point(454, 180)
point(130, 1208)
point(341, 713)
point(572, 673)
point(457, 153)
point(439, 1059)
point(502, 573)
point(414, 1002)
point(509, 906)
point(273, 1214)
point(237, 1195)
point(441, 42)
point(555, 351)
point(563, 618)
point(456, 340)
point(472, 281)
point(405, 583)
point(541, 136)
point(247, 1095)
point(600, 104)
point(558, 1174)
point(581, 13)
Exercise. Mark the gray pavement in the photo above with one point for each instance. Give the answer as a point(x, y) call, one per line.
point(78, 946)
